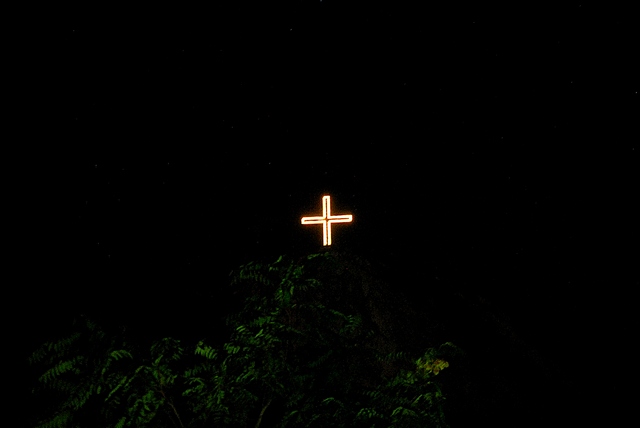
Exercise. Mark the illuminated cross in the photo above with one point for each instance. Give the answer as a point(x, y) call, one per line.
point(326, 220)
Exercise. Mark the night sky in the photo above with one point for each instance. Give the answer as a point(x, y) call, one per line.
point(487, 152)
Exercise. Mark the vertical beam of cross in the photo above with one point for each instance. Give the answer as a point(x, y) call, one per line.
point(326, 220)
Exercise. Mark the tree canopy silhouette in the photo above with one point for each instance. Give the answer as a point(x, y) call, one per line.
point(314, 341)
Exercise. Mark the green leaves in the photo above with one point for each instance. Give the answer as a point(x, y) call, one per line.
point(59, 369)
point(121, 353)
point(206, 351)
point(301, 340)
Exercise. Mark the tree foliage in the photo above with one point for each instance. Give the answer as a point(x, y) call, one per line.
point(302, 352)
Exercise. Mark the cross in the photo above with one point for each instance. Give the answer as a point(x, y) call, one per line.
point(326, 220)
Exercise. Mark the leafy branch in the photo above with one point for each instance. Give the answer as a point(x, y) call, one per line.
point(300, 353)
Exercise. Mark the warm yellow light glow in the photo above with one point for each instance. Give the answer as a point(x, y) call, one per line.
point(326, 220)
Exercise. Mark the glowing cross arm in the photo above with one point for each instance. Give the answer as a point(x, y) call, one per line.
point(326, 220)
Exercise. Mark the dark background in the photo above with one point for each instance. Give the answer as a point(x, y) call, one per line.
point(484, 151)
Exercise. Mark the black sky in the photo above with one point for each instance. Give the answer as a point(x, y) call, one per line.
point(484, 151)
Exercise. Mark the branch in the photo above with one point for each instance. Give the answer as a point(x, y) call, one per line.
point(175, 411)
point(262, 413)
point(170, 402)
